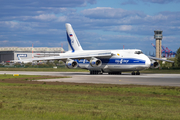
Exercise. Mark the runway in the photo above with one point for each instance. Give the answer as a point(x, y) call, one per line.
point(125, 78)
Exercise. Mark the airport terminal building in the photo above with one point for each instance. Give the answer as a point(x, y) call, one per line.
point(12, 53)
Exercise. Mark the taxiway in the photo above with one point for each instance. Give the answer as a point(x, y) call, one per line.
point(125, 78)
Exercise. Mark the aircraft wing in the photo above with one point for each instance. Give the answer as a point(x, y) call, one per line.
point(76, 56)
point(154, 58)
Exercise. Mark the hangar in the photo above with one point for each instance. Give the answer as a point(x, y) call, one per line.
point(12, 53)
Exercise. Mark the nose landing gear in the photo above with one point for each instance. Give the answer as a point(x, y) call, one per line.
point(137, 73)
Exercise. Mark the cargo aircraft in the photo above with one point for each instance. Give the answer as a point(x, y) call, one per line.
point(102, 61)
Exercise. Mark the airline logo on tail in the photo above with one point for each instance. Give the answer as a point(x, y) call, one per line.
point(72, 41)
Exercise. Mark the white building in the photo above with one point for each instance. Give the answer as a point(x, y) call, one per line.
point(12, 53)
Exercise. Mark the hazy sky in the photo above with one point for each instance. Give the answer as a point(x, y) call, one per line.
point(99, 24)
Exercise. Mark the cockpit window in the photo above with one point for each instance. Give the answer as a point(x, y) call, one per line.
point(138, 52)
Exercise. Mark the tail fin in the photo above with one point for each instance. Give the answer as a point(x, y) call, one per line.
point(73, 42)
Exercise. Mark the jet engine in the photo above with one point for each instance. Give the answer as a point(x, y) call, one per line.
point(154, 64)
point(71, 64)
point(95, 62)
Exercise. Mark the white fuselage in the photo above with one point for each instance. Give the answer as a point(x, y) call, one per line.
point(120, 60)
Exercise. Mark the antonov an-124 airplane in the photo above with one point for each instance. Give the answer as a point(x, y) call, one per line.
point(102, 61)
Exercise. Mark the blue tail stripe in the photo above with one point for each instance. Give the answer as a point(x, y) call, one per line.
point(69, 41)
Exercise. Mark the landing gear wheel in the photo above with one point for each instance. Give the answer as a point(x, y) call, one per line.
point(95, 72)
point(133, 73)
point(114, 73)
point(137, 73)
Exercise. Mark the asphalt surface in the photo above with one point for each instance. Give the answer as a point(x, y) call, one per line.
point(125, 78)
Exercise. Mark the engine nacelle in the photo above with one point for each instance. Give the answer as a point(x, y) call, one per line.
point(71, 64)
point(154, 64)
point(95, 62)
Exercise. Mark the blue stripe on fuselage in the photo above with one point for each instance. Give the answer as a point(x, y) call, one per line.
point(117, 61)
point(69, 41)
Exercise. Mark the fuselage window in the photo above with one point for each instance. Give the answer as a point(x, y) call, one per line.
point(138, 52)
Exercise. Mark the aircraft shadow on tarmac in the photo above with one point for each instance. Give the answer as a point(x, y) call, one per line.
point(84, 73)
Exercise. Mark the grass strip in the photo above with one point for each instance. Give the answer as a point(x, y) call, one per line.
point(9, 77)
point(87, 101)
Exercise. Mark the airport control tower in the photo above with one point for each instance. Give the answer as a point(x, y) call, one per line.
point(158, 36)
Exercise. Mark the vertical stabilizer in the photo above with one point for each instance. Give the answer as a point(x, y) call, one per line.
point(73, 43)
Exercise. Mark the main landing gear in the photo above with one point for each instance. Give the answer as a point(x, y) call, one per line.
point(114, 73)
point(137, 73)
point(95, 72)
